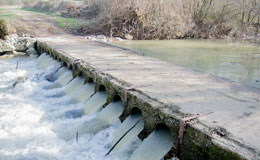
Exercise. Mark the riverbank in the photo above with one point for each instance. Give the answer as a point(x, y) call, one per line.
point(149, 20)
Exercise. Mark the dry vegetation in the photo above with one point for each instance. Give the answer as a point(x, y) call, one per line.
point(160, 19)
point(169, 19)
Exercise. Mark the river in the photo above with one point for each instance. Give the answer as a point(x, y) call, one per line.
point(32, 120)
point(47, 114)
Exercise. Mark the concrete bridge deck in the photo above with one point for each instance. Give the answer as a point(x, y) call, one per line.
point(236, 108)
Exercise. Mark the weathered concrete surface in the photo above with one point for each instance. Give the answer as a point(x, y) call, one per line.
point(236, 108)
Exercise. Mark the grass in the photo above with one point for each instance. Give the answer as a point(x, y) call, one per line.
point(69, 23)
point(40, 12)
point(7, 15)
point(65, 23)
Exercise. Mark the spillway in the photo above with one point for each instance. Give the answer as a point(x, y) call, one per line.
point(103, 119)
point(84, 93)
point(62, 80)
point(95, 103)
point(41, 58)
point(57, 74)
point(127, 132)
point(31, 131)
point(72, 86)
point(154, 147)
point(47, 111)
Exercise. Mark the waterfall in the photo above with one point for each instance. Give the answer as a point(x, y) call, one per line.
point(83, 93)
point(59, 73)
point(127, 132)
point(34, 125)
point(103, 119)
point(56, 74)
point(155, 146)
point(95, 103)
point(63, 80)
point(41, 58)
point(46, 61)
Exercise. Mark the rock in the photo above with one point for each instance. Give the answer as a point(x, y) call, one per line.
point(11, 39)
point(24, 43)
point(19, 80)
point(6, 48)
point(14, 43)
point(118, 39)
point(19, 54)
point(101, 37)
point(129, 36)
point(5, 28)
point(31, 51)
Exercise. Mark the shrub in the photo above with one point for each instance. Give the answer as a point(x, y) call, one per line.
point(5, 28)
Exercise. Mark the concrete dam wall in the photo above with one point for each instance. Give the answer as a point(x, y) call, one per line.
point(205, 116)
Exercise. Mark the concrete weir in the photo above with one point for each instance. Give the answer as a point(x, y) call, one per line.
point(209, 117)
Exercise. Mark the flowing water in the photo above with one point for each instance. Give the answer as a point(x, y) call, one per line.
point(128, 131)
point(235, 61)
point(62, 80)
point(95, 103)
point(84, 93)
point(155, 146)
point(32, 121)
point(30, 131)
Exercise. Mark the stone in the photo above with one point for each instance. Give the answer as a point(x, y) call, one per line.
point(101, 37)
point(5, 47)
point(11, 39)
point(118, 39)
point(129, 36)
point(19, 54)
point(31, 51)
point(24, 43)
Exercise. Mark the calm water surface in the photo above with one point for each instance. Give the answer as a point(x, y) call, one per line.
point(234, 61)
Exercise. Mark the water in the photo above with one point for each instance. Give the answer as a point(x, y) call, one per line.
point(74, 85)
point(28, 130)
point(131, 136)
point(56, 74)
point(32, 125)
point(104, 118)
point(155, 147)
point(83, 93)
point(234, 61)
point(95, 103)
point(62, 80)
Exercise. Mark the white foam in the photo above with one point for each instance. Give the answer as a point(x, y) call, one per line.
point(30, 128)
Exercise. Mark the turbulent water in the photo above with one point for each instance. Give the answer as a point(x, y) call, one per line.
point(33, 121)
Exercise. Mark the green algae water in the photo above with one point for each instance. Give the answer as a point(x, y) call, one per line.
point(234, 61)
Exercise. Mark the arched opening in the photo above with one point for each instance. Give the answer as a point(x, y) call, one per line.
point(162, 126)
point(116, 98)
point(102, 88)
point(64, 64)
point(136, 110)
point(80, 74)
point(90, 80)
point(69, 66)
